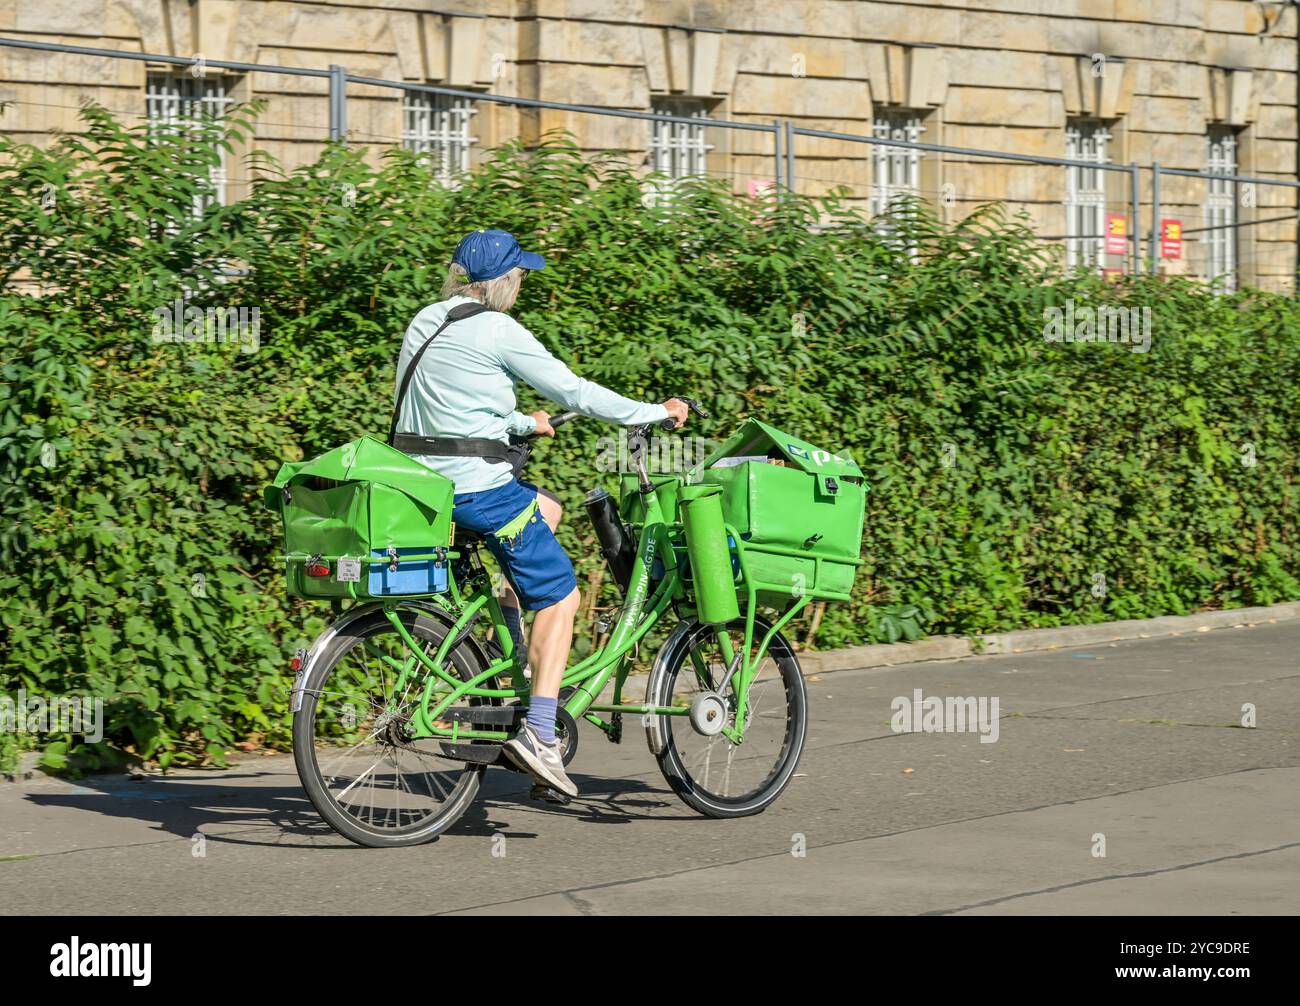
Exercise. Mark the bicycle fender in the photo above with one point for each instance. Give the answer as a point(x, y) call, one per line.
point(654, 734)
point(322, 641)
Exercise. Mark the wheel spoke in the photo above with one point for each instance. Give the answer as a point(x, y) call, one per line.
point(360, 777)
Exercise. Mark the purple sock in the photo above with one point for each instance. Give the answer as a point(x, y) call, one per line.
point(541, 717)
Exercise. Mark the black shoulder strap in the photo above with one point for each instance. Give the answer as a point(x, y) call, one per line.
point(458, 313)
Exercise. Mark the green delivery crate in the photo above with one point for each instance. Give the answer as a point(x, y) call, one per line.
point(356, 503)
point(799, 522)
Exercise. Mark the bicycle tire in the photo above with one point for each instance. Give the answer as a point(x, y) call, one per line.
point(466, 660)
point(661, 736)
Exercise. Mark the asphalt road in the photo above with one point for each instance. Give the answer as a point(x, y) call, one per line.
point(1137, 747)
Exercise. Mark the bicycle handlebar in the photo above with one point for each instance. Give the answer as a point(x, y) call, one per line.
point(664, 424)
point(671, 424)
point(560, 420)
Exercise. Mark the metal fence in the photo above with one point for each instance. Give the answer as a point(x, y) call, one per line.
point(1108, 231)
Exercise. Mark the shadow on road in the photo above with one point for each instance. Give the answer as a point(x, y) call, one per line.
point(256, 808)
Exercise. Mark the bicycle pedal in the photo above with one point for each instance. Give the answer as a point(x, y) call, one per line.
point(550, 795)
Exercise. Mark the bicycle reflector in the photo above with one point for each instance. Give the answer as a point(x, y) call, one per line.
point(299, 658)
point(316, 566)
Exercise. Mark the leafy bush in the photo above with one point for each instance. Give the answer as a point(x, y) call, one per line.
point(1014, 481)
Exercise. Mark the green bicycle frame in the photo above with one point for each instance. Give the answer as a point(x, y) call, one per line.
point(440, 688)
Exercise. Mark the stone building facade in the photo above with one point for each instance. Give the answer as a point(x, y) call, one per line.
point(1192, 84)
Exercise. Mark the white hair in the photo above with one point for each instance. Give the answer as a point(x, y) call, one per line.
point(499, 293)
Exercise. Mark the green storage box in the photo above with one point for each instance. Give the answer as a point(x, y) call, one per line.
point(799, 522)
point(356, 503)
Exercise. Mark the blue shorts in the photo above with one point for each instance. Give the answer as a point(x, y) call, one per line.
point(532, 559)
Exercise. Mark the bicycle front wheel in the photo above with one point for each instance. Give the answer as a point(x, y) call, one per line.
point(363, 773)
point(710, 773)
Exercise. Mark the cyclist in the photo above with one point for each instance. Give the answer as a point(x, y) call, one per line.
point(463, 390)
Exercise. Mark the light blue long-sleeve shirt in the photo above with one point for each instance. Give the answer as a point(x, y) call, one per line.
point(465, 387)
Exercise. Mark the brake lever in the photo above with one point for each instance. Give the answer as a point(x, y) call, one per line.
point(671, 424)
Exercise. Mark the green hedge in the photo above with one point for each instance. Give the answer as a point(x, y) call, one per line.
point(1014, 481)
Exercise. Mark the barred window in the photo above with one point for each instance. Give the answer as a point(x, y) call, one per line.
point(1221, 206)
point(439, 127)
point(174, 101)
point(895, 171)
point(678, 149)
point(1085, 195)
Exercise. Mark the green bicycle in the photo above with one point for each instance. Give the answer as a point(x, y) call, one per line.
point(402, 703)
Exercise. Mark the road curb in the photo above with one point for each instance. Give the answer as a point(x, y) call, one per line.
point(1030, 640)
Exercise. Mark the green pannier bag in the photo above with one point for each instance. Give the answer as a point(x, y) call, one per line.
point(631, 504)
point(363, 521)
point(799, 520)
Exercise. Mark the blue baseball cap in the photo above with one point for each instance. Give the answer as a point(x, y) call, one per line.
point(485, 255)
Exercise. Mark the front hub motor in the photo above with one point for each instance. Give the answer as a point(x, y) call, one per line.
point(708, 714)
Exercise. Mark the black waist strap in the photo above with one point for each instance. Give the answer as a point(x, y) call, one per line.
point(491, 451)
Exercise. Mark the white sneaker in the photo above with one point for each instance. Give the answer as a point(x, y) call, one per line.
point(544, 762)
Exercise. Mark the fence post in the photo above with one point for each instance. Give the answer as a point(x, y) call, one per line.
point(776, 143)
point(338, 102)
point(1134, 188)
point(789, 156)
point(1153, 251)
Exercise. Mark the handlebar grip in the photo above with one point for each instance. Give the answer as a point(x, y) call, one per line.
point(560, 420)
point(692, 406)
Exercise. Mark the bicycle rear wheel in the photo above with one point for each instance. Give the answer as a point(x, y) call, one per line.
point(366, 777)
point(710, 773)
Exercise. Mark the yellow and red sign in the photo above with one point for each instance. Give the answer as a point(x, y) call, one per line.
point(1116, 234)
point(1171, 238)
